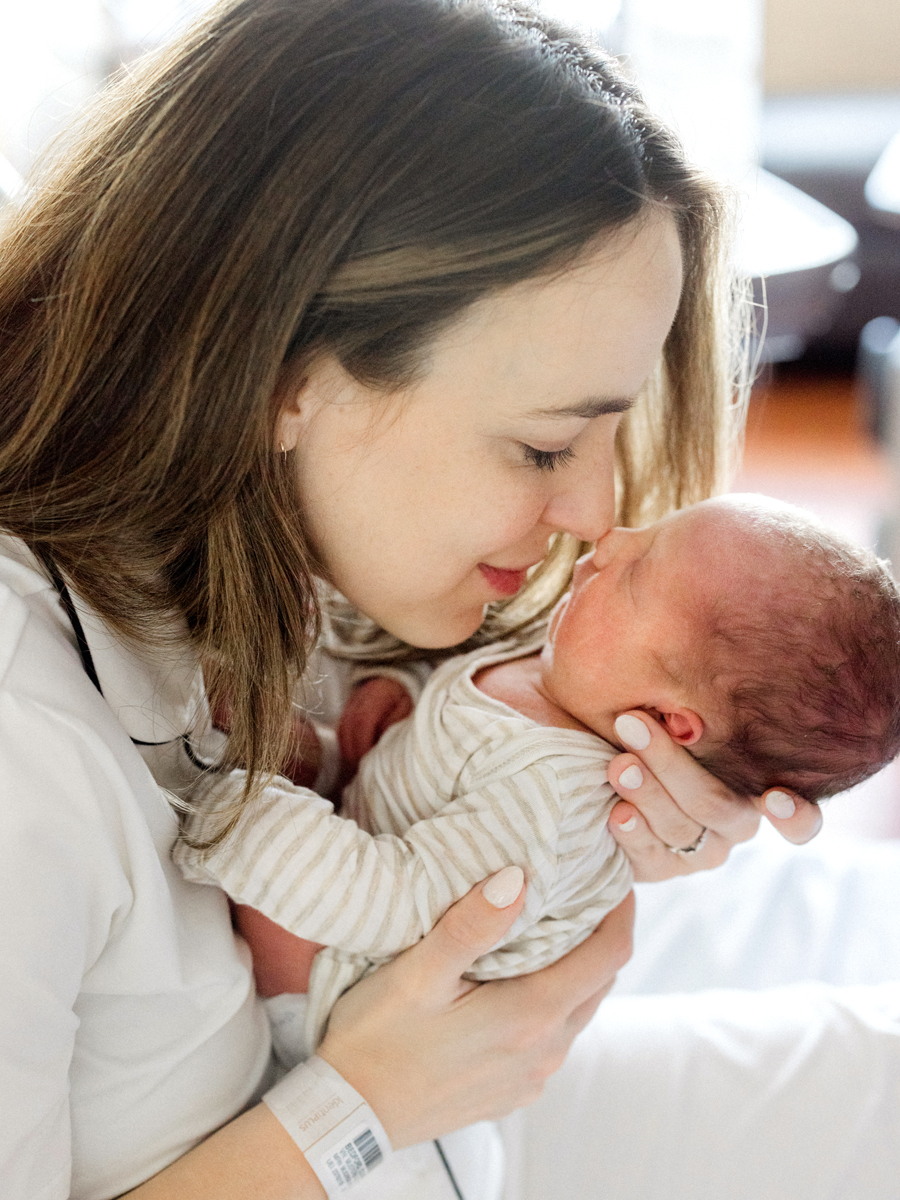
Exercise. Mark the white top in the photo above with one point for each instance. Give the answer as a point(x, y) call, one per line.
point(129, 1027)
point(462, 788)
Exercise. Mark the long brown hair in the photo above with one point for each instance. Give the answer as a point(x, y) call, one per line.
point(294, 176)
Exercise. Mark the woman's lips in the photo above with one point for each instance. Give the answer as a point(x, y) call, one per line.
point(504, 582)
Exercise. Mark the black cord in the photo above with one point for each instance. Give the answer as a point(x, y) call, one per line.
point(448, 1169)
point(84, 651)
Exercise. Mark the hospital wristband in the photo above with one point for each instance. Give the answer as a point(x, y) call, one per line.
point(330, 1122)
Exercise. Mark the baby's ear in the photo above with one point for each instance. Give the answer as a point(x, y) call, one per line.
point(684, 725)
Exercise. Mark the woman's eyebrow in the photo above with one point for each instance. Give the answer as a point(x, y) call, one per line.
point(593, 406)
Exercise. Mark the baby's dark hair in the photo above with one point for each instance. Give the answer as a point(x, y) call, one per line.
point(810, 670)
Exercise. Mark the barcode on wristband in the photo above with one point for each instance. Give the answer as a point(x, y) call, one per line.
point(350, 1162)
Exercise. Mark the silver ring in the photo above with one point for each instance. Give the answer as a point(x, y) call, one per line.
point(694, 846)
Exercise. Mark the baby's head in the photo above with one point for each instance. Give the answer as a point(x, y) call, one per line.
point(764, 642)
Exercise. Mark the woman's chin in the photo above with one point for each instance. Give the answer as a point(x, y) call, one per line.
point(438, 631)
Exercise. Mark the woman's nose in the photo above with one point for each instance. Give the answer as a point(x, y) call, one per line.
point(584, 506)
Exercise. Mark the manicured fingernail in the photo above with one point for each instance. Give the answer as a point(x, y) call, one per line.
point(633, 732)
point(501, 889)
point(628, 825)
point(780, 805)
point(631, 777)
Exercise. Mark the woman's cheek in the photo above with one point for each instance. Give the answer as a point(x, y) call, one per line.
point(506, 504)
point(526, 514)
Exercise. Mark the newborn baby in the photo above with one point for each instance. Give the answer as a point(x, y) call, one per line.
point(766, 645)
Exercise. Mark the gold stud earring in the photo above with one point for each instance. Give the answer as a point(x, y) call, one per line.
point(281, 447)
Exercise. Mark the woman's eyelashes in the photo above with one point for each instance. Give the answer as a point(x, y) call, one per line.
point(548, 460)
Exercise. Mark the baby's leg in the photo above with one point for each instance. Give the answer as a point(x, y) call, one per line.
point(281, 961)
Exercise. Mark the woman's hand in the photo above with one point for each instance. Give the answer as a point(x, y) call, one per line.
point(670, 799)
point(431, 1051)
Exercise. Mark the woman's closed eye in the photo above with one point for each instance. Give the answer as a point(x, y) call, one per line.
point(547, 460)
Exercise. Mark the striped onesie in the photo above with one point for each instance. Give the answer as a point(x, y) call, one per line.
point(463, 787)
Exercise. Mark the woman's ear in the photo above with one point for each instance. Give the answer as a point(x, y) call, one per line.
point(292, 399)
point(684, 725)
point(301, 393)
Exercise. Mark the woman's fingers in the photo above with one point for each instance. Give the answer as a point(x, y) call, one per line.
point(674, 799)
point(651, 859)
point(659, 813)
point(677, 795)
point(673, 802)
point(584, 1013)
point(468, 929)
point(794, 818)
point(432, 1052)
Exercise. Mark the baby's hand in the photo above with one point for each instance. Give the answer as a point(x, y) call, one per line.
point(373, 707)
point(304, 756)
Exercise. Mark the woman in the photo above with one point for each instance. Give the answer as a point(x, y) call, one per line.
point(355, 291)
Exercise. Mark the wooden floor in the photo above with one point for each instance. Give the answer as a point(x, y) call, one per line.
point(807, 442)
point(814, 424)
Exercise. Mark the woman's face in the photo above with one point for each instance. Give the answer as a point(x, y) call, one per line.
point(428, 504)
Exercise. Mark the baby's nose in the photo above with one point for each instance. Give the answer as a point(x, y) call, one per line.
point(608, 546)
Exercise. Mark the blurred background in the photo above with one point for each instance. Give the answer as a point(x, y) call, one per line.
point(795, 102)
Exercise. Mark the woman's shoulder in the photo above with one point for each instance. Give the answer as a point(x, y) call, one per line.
point(64, 758)
point(38, 660)
point(40, 668)
point(70, 826)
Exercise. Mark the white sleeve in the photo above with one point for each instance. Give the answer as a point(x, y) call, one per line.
point(784, 1094)
point(701, 1076)
point(61, 888)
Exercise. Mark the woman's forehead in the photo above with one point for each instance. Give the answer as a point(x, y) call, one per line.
point(589, 334)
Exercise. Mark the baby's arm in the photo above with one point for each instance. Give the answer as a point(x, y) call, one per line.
point(281, 960)
point(321, 877)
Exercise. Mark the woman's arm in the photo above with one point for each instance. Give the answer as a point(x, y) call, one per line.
point(250, 1156)
point(676, 799)
point(429, 1051)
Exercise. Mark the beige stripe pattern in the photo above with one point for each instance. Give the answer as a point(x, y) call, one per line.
point(462, 788)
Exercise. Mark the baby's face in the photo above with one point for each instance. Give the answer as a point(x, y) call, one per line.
point(623, 637)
